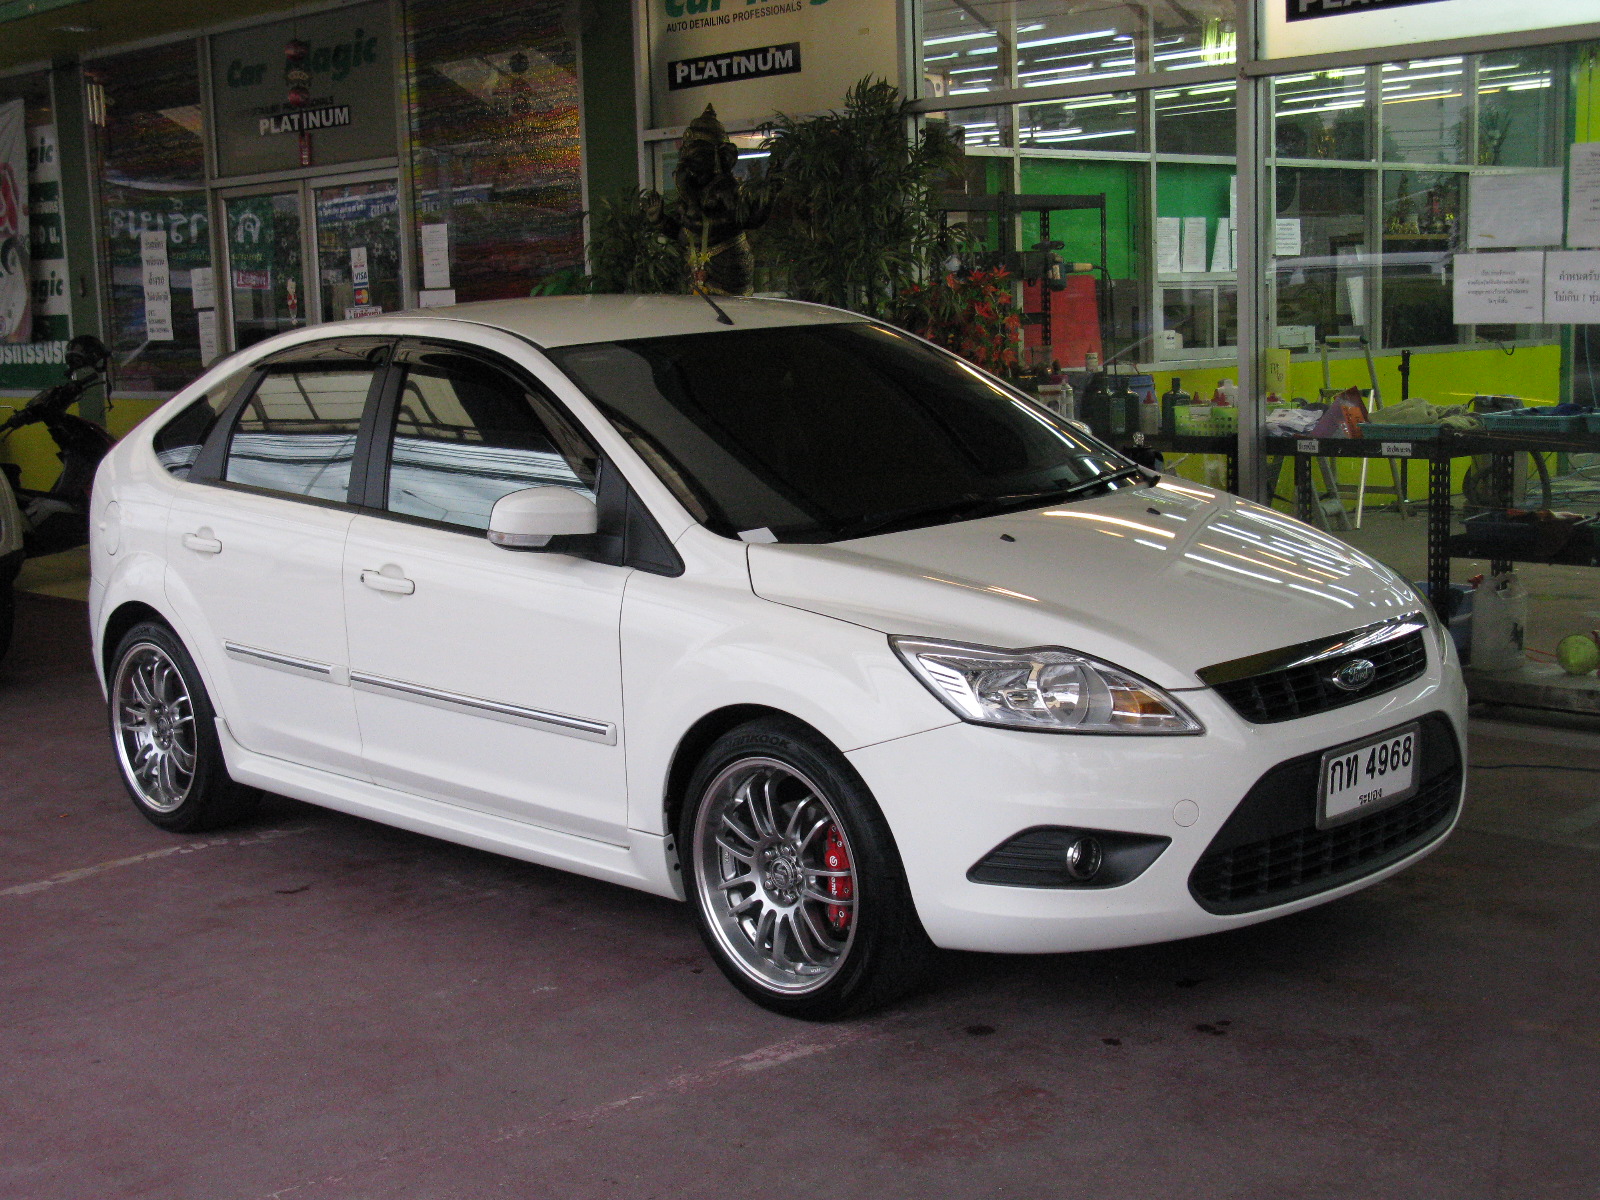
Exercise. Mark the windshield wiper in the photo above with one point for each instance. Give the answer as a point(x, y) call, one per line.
point(966, 509)
point(1122, 473)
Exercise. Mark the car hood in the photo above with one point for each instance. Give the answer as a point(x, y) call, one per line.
point(1160, 580)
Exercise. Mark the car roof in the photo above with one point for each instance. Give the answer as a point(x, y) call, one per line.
point(577, 320)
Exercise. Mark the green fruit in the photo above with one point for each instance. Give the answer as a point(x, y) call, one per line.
point(1578, 654)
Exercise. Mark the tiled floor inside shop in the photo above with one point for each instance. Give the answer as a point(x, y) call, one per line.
point(313, 1006)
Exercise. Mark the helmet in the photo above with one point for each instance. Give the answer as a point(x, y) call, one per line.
point(87, 352)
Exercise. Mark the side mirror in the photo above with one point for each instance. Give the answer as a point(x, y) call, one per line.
point(528, 519)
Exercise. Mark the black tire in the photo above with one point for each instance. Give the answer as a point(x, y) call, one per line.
point(876, 956)
point(8, 616)
point(160, 714)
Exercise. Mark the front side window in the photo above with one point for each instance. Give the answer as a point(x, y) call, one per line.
point(467, 433)
point(297, 434)
point(819, 433)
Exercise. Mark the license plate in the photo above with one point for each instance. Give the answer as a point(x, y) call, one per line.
point(1368, 775)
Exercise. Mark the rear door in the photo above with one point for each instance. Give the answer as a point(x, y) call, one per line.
point(256, 548)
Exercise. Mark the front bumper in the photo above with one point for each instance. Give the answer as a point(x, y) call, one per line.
point(952, 794)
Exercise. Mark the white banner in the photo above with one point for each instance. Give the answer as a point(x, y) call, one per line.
point(16, 276)
point(751, 59)
point(1294, 27)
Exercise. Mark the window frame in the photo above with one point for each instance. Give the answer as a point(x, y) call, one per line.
point(373, 497)
point(211, 463)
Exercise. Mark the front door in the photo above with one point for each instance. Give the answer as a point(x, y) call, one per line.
point(266, 263)
point(483, 677)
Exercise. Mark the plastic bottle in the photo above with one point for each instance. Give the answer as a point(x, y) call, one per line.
point(1124, 409)
point(1230, 392)
point(1171, 399)
point(1150, 413)
point(1499, 617)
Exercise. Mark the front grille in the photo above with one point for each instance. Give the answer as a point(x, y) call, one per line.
point(1304, 690)
point(1270, 850)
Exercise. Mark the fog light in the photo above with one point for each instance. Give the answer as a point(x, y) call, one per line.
point(1083, 858)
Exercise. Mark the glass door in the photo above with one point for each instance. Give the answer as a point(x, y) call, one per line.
point(266, 263)
point(358, 247)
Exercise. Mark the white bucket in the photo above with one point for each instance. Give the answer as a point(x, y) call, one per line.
point(1499, 617)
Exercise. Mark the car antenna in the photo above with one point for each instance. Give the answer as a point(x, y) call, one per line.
point(706, 296)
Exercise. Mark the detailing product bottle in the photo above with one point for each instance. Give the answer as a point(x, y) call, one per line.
point(1230, 392)
point(1171, 399)
point(1124, 408)
point(1149, 411)
point(1095, 405)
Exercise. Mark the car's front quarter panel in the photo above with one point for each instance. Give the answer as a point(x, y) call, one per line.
point(704, 642)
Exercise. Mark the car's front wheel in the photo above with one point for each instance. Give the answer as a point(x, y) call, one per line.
point(795, 879)
point(164, 731)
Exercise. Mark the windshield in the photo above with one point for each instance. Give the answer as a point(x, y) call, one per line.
point(819, 433)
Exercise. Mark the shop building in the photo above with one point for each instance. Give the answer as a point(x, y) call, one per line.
point(1289, 195)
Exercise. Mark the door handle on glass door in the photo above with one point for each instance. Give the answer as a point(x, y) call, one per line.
point(399, 585)
point(202, 543)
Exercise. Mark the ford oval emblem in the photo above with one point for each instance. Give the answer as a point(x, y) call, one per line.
point(1354, 675)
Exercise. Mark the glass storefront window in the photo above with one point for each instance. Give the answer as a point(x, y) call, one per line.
point(1196, 120)
point(151, 167)
point(496, 158)
point(1421, 215)
point(982, 128)
point(1425, 110)
point(1200, 33)
point(975, 46)
point(1321, 244)
point(1518, 107)
point(1322, 114)
point(1083, 123)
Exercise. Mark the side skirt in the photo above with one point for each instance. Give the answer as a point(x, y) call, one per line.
point(648, 863)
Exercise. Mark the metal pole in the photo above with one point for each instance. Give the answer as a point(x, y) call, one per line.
point(1253, 131)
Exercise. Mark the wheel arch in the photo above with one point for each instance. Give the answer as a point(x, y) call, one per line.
point(698, 738)
point(123, 618)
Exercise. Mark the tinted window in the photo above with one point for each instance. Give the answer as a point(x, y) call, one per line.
point(817, 433)
point(467, 434)
point(297, 434)
point(178, 442)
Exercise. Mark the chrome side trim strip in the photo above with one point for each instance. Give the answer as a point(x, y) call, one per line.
point(495, 710)
point(1306, 653)
point(283, 662)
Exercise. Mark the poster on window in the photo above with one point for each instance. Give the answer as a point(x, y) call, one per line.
point(751, 59)
point(16, 277)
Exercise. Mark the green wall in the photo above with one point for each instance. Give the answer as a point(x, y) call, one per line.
point(1079, 231)
point(609, 120)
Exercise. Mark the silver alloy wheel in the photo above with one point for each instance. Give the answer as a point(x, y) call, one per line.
point(764, 836)
point(154, 716)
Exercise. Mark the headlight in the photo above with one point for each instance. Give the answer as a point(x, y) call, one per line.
point(1047, 689)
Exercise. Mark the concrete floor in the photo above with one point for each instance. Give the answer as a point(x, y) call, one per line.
point(315, 1007)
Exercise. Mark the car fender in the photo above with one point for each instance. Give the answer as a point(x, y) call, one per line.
point(704, 642)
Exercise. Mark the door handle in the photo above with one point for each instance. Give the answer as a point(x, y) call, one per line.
point(399, 585)
point(201, 544)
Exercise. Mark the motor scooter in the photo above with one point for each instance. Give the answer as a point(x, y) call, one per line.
point(35, 523)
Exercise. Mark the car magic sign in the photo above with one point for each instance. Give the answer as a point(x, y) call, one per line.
point(754, 58)
point(1291, 28)
point(345, 111)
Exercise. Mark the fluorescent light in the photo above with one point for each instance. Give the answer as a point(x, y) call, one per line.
point(1071, 37)
point(958, 37)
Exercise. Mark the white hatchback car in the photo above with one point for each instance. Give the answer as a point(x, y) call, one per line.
point(799, 618)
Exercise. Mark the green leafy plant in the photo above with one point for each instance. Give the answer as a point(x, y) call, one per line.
point(855, 220)
point(970, 313)
point(627, 252)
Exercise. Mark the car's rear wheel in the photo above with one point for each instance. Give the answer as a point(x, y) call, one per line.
point(164, 731)
point(795, 879)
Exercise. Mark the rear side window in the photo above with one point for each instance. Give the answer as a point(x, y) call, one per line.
point(177, 443)
point(467, 433)
point(297, 434)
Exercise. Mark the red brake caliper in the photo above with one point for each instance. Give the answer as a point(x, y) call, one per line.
point(839, 886)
